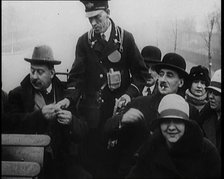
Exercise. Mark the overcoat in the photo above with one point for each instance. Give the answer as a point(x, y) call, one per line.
point(25, 120)
point(88, 78)
point(90, 70)
point(130, 137)
point(193, 156)
point(211, 125)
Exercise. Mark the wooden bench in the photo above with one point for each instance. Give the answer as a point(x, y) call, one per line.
point(23, 148)
point(19, 170)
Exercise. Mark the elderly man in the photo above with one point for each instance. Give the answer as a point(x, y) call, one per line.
point(211, 113)
point(152, 56)
point(108, 68)
point(33, 110)
point(132, 127)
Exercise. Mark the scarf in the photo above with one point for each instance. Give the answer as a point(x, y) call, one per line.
point(195, 100)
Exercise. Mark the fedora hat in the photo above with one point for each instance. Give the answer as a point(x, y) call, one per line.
point(174, 62)
point(43, 55)
point(93, 8)
point(151, 54)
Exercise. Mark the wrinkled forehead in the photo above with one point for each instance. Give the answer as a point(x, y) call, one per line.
point(169, 71)
point(39, 65)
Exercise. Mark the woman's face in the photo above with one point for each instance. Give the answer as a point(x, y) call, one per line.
point(172, 129)
point(198, 88)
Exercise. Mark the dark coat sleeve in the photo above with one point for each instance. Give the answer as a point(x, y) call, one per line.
point(76, 78)
point(22, 119)
point(137, 67)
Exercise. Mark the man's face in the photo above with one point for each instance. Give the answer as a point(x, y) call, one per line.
point(172, 129)
point(169, 81)
point(41, 76)
point(153, 76)
point(214, 99)
point(198, 88)
point(100, 22)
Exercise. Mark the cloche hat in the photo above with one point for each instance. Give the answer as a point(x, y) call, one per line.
point(215, 83)
point(199, 73)
point(172, 106)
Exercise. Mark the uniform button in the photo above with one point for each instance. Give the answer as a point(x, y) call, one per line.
point(101, 75)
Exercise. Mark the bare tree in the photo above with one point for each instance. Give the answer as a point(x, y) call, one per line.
point(175, 36)
point(207, 36)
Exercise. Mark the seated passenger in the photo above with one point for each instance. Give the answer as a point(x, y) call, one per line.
point(177, 148)
point(33, 110)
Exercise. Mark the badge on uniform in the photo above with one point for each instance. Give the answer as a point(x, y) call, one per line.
point(113, 79)
point(115, 56)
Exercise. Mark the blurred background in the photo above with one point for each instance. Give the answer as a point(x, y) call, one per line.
point(191, 28)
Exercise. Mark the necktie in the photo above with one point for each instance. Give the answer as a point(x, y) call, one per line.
point(103, 36)
point(148, 91)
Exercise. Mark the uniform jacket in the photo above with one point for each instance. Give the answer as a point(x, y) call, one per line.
point(211, 125)
point(191, 157)
point(89, 72)
point(88, 78)
point(27, 121)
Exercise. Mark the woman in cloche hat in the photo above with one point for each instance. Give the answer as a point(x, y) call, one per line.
point(177, 148)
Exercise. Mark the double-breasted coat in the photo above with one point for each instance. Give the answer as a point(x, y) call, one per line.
point(89, 78)
point(193, 156)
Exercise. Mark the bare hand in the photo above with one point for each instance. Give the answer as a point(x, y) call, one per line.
point(64, 117)
point(123, 100)
point(63, 104)
point(132, 116)
point(49, 111)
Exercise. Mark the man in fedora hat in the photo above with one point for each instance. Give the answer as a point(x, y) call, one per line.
point(177, 148)
point(33, 109)
point(108, 68)
point(211, 114)
point(152, 56)
point(135, 123)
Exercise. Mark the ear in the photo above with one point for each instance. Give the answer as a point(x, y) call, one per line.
point(181, 82)
point(108, 12)
point(52, 73)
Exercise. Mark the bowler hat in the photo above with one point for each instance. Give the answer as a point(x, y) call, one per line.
point(151, 54)
point(43, 55)
point(215, 83)
point(174, 62)
point(172, 106)
point(199, 73)
point(94, 7)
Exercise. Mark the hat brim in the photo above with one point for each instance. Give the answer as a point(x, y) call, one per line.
point(214, 88)
point(180, 71)
point(93, 13)
point(53, 62)
point(151, 61)
point(156, 123)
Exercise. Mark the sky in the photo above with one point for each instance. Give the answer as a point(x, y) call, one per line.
point(60, 23)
